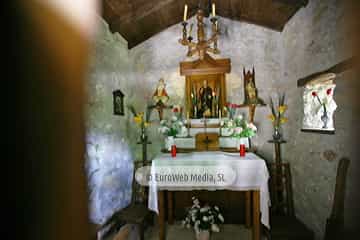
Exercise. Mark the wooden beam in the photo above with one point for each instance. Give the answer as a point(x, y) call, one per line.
point(338, 68)
point(298, 3)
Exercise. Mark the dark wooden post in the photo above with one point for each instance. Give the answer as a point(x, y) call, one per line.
point(277, 177)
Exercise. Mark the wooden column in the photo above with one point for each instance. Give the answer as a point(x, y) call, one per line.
point(161, 217)
point(256, 215)
point(248, 209)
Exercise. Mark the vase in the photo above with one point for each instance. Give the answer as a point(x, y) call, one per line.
point(203, 235)
point(325, 118)
point(169, 141)
point(277, 135)
point(143, 134)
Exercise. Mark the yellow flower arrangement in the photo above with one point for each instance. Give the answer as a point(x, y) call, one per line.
point(282, 109)
point(271, 117)
point(139, 119)
point(142, 120)
point(283, 120)
point(277, 117)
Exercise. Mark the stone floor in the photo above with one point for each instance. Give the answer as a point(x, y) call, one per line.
point(177, 232)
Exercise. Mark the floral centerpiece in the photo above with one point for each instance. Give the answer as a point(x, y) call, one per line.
point(277, 116)
point(238, 127)
point(172, 127)
point(203, 219)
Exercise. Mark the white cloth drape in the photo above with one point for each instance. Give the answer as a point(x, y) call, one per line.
point(251, 174)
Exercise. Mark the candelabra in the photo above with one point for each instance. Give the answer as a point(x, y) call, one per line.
point(202, 46)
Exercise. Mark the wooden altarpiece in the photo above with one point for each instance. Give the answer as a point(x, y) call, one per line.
point(210, 69)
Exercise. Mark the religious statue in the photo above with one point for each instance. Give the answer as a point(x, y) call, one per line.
point(160, 95)
point(160, 98)
point(205, 100)
point(251, 96)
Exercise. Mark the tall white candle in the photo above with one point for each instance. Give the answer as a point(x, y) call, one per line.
point(185, 12)
point(213, 9)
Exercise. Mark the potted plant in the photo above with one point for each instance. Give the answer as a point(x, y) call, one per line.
point(204, 220)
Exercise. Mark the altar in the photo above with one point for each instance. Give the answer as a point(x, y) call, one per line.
point(251, 174)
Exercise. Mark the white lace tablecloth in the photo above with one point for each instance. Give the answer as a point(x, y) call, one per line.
point(251, 173)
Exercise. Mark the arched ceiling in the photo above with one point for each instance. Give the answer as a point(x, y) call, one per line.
point(138, 20)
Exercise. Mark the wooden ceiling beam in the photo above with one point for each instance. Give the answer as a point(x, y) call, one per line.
point(138, 20)
point(297, 3)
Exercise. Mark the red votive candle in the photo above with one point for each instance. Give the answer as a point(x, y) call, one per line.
point(242, 150)
point(173, 150)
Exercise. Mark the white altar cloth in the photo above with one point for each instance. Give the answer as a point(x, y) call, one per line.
point(251, 174)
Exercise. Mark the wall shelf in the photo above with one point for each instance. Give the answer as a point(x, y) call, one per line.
point(337, 68)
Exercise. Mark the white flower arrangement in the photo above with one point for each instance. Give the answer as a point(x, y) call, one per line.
point(172, 126)
point(238, 127)
point(204, 218)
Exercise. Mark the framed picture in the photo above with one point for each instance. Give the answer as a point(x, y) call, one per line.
point(118, 102)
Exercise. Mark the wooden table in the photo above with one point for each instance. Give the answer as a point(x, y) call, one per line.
point(256, 229)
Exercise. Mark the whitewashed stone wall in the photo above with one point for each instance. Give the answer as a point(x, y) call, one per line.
point(109, 156)
point(314, 40)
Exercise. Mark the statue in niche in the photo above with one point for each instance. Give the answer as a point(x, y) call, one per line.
point(251, 94)
point(205, 100)
point(160, 98)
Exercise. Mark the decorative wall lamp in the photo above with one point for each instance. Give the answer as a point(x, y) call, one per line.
point(118, 102)
point(202, 46)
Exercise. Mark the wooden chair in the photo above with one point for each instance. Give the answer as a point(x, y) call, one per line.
point(335, 223)
point(284, 225)
point(135, 213)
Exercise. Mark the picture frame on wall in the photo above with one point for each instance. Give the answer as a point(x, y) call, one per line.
point(118, 102)
point(319, 105)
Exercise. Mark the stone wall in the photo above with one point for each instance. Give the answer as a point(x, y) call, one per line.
point(109, 140)
point(314, 40)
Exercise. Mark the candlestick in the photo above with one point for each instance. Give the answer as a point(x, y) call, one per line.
point(220, 115)
point(213, 9)
point(185, 12)
point(188, 123)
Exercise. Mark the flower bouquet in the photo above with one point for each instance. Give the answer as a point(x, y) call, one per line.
point(277, 117)
point(324, 117)
point(239, 128)
point(142, 120)
point(172, 127)
point(204, 219)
